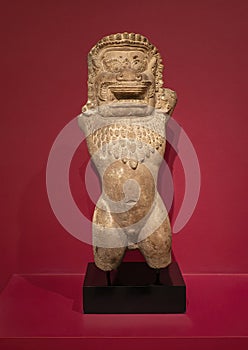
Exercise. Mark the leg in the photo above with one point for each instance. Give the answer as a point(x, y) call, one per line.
point(157, 281)
point(108, 278)
point(156, 248)
point(108, 259)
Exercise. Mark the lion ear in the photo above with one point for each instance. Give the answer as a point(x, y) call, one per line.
point(94, 62)
point(170, 100)
point(89, 105)
point(152, 64)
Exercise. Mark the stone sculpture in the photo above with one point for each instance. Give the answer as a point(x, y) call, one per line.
point(124, 122)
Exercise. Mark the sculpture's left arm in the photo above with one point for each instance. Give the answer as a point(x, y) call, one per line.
point(167, 101)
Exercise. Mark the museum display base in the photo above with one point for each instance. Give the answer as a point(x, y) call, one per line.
point(44, 311)
point(134, 288)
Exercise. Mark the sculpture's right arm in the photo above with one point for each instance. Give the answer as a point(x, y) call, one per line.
point(85, 122)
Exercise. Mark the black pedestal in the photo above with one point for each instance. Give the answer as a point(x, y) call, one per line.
point(134, 288)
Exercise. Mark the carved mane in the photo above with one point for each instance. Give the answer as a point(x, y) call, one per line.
point(120, 40)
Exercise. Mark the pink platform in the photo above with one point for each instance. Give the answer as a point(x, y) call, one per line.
point(45, 312)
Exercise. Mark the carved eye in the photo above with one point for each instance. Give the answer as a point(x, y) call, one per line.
point(138, 64)
point(115, 67)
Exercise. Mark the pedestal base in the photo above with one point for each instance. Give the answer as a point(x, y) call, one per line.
point(134, 289)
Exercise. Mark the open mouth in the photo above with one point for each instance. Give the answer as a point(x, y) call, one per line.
point(129, 90)
point(126, 90)
point(129, 93)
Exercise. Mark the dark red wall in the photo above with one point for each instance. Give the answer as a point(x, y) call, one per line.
point(44, 45)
